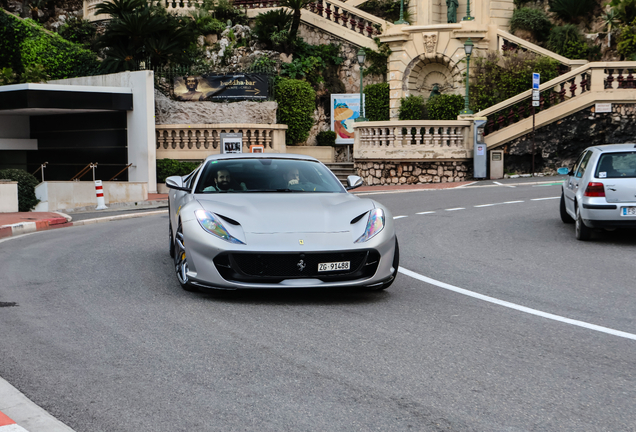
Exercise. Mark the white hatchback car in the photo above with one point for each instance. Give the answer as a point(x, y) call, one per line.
point(600, 191)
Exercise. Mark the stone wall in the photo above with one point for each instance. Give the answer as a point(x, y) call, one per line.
point(381, 173)
point(560, 143)
point(168, 111)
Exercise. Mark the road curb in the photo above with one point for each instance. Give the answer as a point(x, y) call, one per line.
point(63, 222)
point(8, 425)
point(18, 413)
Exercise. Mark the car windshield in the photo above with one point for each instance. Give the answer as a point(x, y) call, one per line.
point(617, 165)
point(266, 175)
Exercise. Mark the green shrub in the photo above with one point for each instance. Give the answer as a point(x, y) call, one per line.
point(532, 20)
point(326, 138)
point(296, 104)
point(626, 40)
point(376, 61)
point(572, 10)
point(377, 102)
point(25, 44)
point(172, 167)
point(444, 107)
point(497, 77)
point(567, 41)
point(624, 10)
point(26, 187)
point(78, 31)
point(272, 28)
point(412, 108)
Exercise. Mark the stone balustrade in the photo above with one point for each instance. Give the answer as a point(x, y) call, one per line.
point(334, 11)
point(413, 140)
point(507, 41)
point(198, 141)
point(181, 7)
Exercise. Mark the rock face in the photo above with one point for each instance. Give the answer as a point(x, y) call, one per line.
point(168, 111)
point(385, 173)
point(560, 143)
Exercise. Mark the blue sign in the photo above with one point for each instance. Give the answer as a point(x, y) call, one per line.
point(536, 79)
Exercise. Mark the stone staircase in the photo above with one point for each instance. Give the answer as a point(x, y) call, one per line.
point(342, 170)
point(582, 88)
point(341, 19)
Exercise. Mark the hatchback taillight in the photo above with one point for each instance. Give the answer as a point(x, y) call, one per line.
point(595, 190)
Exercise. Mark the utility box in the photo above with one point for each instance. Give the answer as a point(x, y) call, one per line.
point(496, 164)
point(480, 154)
point(8, 196)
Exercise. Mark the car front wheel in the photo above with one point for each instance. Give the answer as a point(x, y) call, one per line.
point(181, 261)
point(582, 231)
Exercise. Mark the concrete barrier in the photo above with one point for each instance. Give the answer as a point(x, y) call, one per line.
point(67, 195)
point(8, 196)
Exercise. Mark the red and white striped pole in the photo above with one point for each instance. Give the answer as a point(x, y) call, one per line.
point(99, 191)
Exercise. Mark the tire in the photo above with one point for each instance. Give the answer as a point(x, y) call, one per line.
point(565, 217)
point(582, 232)
point(181, 262)
point(396, 264)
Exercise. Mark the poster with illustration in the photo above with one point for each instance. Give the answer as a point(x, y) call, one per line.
point(345, 109)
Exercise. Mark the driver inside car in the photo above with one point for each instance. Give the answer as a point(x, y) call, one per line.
point(223, 182)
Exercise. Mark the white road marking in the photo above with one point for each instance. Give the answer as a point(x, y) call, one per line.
point(428, 212)
point(542, 199)
point(501, 184)
point(462, 186)
point(458, 208)
point(486, 205)
point(399, 217)
point(516, 306)
point(512, 202)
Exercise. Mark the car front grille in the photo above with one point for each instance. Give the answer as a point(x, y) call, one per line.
point(275, 267)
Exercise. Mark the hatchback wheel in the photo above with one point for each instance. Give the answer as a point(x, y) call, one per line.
point(565, 217)
point(582, 231)
point(181, 261)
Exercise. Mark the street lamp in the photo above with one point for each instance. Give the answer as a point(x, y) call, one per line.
point(468, 17)
point(401, 20)
point(361, 56)
point(468, 49)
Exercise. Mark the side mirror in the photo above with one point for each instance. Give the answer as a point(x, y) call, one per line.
point(176, 182)
point(354, 181)
point(564, 171)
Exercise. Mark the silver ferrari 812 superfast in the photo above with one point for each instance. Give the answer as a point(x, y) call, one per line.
point(263, 220)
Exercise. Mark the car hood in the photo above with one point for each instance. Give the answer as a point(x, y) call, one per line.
point(288, 212)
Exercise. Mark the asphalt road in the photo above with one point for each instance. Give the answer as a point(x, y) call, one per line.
point(104, 338)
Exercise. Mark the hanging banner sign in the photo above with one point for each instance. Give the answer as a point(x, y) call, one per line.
point(221, 87)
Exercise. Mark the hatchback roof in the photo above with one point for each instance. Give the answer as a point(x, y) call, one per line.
point(616, 147)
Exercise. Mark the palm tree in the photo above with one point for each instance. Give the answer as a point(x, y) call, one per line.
point(609, 22)
point(296, 6)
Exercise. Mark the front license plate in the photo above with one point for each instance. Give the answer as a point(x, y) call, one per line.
point(628, 211)
point(334, 266)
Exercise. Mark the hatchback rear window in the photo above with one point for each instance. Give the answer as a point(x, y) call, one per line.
point(616, 165)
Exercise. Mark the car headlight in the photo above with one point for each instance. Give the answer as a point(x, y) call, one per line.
point(213, 225)
point(375, 224)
